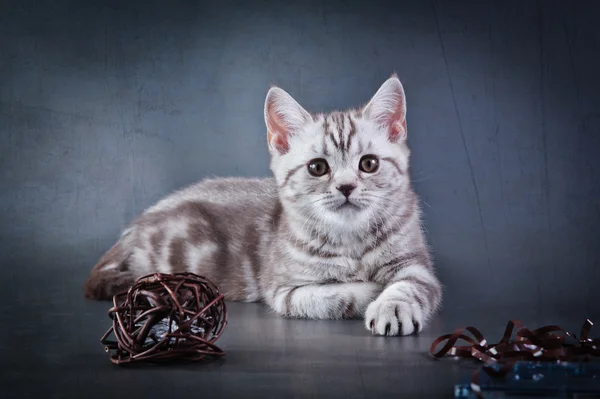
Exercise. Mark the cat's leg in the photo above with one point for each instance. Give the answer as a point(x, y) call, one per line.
point(411, 296)
point(323, 301)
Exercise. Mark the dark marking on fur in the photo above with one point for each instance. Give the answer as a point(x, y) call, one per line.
point(351, 133)
point(325, 150)
point(393, 228)
point(311, 250)
point(351, 311)
point(213, 231)
point(156, 242)
point(177, 255)
point(197, 231)
point(377, 227)
point(361, 147)
point(328, 281)
point(252, 243)
point(326, 126)
point(153, 260)
point(340, 127)
point(425, 291)
point(157, 239)
point(330, 134)
point(381, 236)
point(103, 284)
point(334, 141)
point(289, 174)
point(387, 272)
point(288, 300)
point(395, 163)
point(420, 301)
point(276, 215)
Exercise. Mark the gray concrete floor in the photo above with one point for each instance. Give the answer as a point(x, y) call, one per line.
point(56, 353)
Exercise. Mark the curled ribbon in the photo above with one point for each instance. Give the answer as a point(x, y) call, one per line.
point(548, 343)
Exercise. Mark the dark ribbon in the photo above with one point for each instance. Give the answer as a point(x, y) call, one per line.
point(548, 343)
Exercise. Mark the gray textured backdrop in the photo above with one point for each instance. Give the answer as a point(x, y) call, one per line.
point(105, 107)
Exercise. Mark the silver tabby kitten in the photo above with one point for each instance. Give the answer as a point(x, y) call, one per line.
point(335, 234)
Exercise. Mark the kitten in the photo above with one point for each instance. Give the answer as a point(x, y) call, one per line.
point(335, 234)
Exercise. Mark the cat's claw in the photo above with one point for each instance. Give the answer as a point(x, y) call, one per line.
point(393, 317)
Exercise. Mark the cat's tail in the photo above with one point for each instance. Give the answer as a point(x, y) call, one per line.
point(111, 275)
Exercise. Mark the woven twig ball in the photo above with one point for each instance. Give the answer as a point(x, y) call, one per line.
point(166, 317)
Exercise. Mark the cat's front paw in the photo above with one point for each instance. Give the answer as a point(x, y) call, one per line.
point(393, 317)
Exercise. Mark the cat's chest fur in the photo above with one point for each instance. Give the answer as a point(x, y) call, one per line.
point(326, 256)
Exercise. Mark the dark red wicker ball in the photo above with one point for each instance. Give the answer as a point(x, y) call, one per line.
point(166, 317)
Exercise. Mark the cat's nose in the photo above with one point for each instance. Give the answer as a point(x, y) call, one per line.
point(346, 189)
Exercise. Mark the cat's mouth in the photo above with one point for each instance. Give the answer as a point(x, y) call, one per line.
point(347, 205)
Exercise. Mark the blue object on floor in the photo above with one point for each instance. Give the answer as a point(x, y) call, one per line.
point(541, 379)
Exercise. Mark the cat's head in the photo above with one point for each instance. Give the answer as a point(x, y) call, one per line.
point(344, 169)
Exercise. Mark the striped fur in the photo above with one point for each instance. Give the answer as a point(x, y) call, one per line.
point(294, 241)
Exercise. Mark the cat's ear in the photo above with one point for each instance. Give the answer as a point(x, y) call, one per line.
point(284, 117)
point(388, 108)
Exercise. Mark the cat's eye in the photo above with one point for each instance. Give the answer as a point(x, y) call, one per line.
point(368, 164)
point(318, 167)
